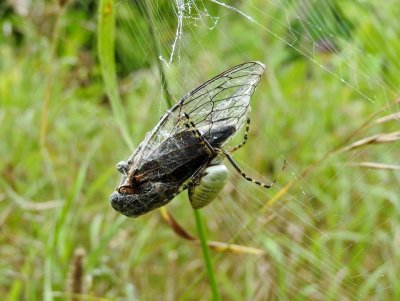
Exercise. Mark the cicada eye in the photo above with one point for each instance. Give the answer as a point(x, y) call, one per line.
point(123, 167)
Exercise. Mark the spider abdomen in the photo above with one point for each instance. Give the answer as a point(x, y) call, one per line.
point(208, 187)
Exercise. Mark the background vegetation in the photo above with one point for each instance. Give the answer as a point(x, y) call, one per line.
point(329, 227)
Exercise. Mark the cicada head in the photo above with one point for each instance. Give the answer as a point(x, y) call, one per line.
point(151, 196)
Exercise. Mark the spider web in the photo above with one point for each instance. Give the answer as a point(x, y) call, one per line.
point(330, 65)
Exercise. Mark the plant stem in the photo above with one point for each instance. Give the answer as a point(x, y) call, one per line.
point(206, 253)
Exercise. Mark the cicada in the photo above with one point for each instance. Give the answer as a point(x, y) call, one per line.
point(186, 148)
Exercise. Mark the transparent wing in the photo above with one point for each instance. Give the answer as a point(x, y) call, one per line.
point(221, 101)
point(224, 99)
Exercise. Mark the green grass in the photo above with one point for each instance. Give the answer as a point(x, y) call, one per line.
point(333, 235)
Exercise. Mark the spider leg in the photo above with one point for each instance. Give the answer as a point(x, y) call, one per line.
point(192, 127)
point(235, 148)
point(242, 173)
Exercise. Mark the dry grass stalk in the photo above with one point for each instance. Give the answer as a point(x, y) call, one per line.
point(387, 118)
point(63, 3)
point(376, 165)
point(215, 245)
point(76, 287)
point(375, 139)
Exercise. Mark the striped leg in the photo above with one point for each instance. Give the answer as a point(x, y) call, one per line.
point(244, 138)
point(192, 127)
point(234, 164)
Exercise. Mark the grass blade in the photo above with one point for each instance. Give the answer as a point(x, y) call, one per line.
point(105, 46)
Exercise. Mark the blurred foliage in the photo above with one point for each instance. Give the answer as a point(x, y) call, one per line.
point(330, 65)
point(142, 26)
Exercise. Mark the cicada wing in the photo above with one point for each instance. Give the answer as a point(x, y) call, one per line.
point(170, 124)
point(219, 102)
point(225, 99)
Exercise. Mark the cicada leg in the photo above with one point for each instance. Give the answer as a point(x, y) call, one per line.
point(182, 188)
